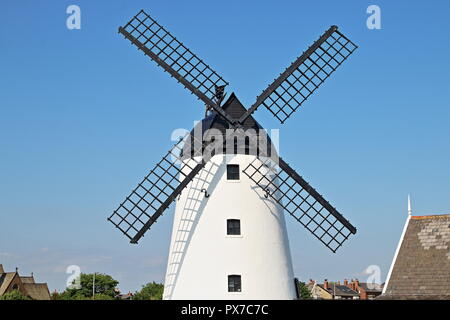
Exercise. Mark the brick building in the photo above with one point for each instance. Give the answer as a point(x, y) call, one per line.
point(331, 290)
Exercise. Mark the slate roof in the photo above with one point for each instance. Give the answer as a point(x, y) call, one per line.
point(343, 291)
point(421, 269)
point(337, 289)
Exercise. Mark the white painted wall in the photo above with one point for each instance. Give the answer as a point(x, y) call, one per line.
point(202, 255)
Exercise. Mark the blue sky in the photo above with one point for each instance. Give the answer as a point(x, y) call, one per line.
point(84, 116)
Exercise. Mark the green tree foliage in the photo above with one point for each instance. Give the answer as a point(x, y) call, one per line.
point(151, 291)
point(304, 291)
point(14, 295)
point(105, 288)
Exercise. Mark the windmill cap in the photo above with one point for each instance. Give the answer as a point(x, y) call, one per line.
point(214, 124)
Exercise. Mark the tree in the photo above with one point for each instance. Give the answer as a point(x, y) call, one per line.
point(151, 291)
point(105, 288)
point(303, 291)
point(14, 295)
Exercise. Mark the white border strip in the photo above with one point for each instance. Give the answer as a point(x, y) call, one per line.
point(396, 254)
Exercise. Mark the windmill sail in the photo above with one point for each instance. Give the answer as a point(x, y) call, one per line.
point(158, 189)
point(302, 201)
point(175, 58)
point(287, 93)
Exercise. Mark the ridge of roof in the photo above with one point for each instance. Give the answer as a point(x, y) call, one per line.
point(413, 297)
point(431, 216)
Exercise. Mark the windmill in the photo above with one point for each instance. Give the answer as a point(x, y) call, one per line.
point(231, 188)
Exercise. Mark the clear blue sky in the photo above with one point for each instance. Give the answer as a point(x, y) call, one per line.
point(84, 116)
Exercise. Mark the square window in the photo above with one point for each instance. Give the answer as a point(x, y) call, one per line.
point(232, 172)
point(233, 227)
point(234, 283)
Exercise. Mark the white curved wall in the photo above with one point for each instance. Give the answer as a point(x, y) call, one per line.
point(202, 255)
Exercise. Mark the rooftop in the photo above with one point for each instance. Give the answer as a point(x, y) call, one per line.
point(25, 284)
point(421, 268)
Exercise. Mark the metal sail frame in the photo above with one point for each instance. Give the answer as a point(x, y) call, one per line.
point(175, 58)
point(296, 196)
point(294, 86)
point(147, 202)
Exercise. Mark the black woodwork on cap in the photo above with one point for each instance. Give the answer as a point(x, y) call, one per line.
point(214, 124)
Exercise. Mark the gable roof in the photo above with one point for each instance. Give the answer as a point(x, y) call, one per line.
point(37, 291)
point(235, 109)
point(5, 281)
point(313, 287)
point(421, 268)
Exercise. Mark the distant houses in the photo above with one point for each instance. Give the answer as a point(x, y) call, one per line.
point(353, 290)
point(26, 285)
point(123, 296)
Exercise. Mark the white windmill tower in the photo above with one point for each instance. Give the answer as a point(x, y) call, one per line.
point(229, 237)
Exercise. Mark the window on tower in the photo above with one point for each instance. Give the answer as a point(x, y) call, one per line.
point(234, 283)
point(233, 227)
point(232, 172)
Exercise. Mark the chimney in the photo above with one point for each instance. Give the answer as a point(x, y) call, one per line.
point(17, 269)
point(352, 285)
point(356, 284)
point(325, 284)
point(345, 282)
